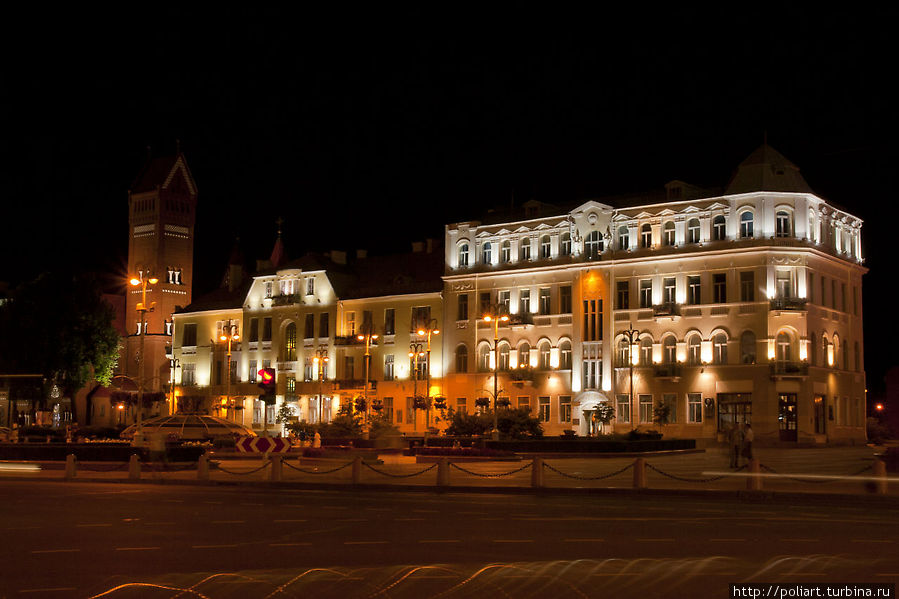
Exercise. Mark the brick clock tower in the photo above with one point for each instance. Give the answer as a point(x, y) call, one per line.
point(162, 206)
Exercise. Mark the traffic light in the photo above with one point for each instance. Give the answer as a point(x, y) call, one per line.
point(267, 384)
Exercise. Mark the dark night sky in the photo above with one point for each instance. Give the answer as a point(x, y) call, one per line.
point(372, 130)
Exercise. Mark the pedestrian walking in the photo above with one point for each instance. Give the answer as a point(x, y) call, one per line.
point(736, 445)
point(748, 437)
point(317, 440)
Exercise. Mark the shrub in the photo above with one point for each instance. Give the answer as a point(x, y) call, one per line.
point(518, 424)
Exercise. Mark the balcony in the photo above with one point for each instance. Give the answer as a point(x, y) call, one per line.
point(667, 371)
point(345, 340)
point(522, 319)
point(287, 366)
point(353, 384)
point(666, 310)
point(787, 304)
point(287, 300)
point(788, 370)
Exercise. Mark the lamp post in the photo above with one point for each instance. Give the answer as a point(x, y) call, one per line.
point(495, 318)
point(428, 330)
point(415, 352)
point(142, 307)
point(229, 338)
point(631, 333)
point(368, 337)
point(175, 364)
point(321, 357)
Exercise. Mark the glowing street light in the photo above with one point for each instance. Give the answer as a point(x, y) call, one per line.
point(143, 309)
point(495, 318)
point(368, 337)
point(233, 337)
point(428, 330)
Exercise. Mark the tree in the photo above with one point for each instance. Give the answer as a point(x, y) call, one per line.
point(604, 414)
point(59, 326)
point(661, 413)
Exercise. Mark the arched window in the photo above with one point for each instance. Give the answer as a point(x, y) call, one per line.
point(646, 236)
point(669, 350)
point(747, 348)
point(719, 228)
point(783, 348)
point(746, 225)
point(525, 249)
point(463, 254)
point(543, 350)
point(290, 342)
point(668, 236)
point(504, 356)
point(505, 252)
point(837, 350)
point(593, 244)
point(524, 354)
point(646, 351)
point(693, 230)
point(484, 357)
point(783, 224)
point(694, 350)
point(565, 244)
point(624, 238)
point(487, 253)
point(719, 348)
point(545, 247)
point(813, 349)
point(462, 358)
point(624, 353)
point(565, 355)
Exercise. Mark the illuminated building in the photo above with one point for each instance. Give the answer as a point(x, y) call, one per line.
point(746, 304)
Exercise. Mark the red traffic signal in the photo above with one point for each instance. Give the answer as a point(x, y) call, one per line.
point(266, 376)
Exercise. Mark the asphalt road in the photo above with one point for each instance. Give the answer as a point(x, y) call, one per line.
point(79, 540)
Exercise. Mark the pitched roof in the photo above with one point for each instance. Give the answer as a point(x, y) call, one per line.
point(156, 171)
point(766, 169)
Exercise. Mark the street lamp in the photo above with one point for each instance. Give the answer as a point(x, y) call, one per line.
point(142, 307)
point(416, 351)
point(233, 337)
point(631, 334)
point(368, 337)
point(174, 364)
point(321, 357)
point(495, 318)
point(428, 330)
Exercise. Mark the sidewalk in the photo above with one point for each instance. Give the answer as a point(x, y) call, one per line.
point(844, 471)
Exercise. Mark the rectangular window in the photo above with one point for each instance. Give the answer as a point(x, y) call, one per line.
point(747, 286)
point(694, 407)
point(843, 297)
point(254, 330)
point(719, 288)
point(545, 300)
point(592, 330)
point(565, 409)
point(694, 290)
point(268, 294)
point(323, 325)
point(232, 372)
point(390, 321)
point(462, 405)
point(410, 414)
point(543, 409)
point(524, 401)
point(291, 383)
point(823, 299)
point(189, 336)
point(310, 286)
point(504, 301)
point(624, 300)
point(668, 288)
point(670, 400)
point(810, 288)
point(267, 328)
point(388, 409)
point(524, 301)
point(253, 371)
point(462, 313)
point(646, 293)
point(645, 409)
point(189, 374)
point(309, 373)
point(349, 368)
point(565, 299)
point(368, 326)
point(623, 411)
point(783, 283)
point(388, 367)
point(349, 323)
point(309, 329)
point(592, 366)
point(421, 317)
point(484, 303)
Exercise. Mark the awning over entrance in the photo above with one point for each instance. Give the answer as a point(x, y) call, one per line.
point(589, 400)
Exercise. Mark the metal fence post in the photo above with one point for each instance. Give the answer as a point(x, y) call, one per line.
point(754, 481)
point(203, 468)
point(134, 467)
point(443, 472)
point(71, 466)
point(640, 473)
point(277, 468)
point(357, 469)
point(880, 472)
point(537, 473)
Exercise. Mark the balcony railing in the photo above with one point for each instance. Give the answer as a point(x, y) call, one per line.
point(788, 303)
point(522, 318)
point(788, 369)
point(352, 340)
point(287, 299)
point(350, 384)
point(671, 370)
point(666, 309)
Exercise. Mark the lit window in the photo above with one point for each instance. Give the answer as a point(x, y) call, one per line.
point(525, 249)
point(593, 245)
point(719, 346)
point(624, 238)
point(783, 224)
point(693, 230)
point(719, 228)
point(668, 236)
point(463, 254)
point(545, 247)
point(505, 252)
point(746, 225)
point(524, 354)
point(487, 253)
point(694, 350)
point(565, 244)
point(646, 236)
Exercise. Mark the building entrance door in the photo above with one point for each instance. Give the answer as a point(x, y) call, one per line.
point(819, 415)
point(786, 416)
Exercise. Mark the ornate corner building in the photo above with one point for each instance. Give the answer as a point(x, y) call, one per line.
point(687, 312)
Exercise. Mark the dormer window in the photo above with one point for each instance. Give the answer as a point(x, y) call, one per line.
point(463, 254)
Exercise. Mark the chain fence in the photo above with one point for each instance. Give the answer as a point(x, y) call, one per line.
point(116, 468)
point(316, 471)
point(391, 475)
point(800, 479)
point(685, 479)
point(482, 475)
point(238, 473)
point(577, 477)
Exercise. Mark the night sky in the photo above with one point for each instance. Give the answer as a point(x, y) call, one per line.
point(372, 130)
